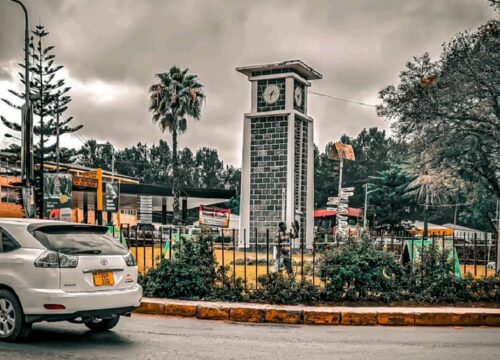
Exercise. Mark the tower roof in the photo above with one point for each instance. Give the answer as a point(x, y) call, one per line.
point(298, 66)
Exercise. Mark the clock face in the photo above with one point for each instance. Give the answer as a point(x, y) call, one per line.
point(298, 95)
point(271, 93)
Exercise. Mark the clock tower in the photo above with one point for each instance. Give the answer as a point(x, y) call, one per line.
point(277, 182)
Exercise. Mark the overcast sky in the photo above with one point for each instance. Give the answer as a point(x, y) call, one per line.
point(111, 50)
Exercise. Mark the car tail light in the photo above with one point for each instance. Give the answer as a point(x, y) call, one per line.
point(52, 259)
point(54, 306)
point(130, 259)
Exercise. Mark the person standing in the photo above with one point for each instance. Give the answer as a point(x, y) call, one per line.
point(282, 253)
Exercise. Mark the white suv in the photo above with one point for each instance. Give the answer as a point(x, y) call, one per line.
point(53, 271)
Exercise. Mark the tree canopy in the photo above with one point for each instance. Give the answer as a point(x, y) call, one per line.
point(448, 109)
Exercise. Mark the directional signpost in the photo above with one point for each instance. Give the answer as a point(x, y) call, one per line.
point(342, 203)
point(341, 152)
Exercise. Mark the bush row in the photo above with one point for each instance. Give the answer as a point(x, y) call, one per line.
point(355, 272)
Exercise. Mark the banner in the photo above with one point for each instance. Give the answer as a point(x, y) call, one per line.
point(214, 217)
point(413, 251)
point(112, 196)
point(57, 196)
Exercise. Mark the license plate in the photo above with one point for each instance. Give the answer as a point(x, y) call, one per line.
point(104, 278)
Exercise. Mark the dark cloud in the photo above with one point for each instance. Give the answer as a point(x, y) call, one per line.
point(359, 45)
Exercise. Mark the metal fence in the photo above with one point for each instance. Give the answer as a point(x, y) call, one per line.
point(255, 254)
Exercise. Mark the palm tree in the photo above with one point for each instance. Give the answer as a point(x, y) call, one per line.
point(175, 97)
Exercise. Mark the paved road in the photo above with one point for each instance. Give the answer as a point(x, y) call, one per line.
point(150, 337)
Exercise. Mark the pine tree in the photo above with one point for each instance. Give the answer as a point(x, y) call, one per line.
point(50, 98)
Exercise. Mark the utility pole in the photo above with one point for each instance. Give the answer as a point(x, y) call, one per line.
point(42, 130)
point(498, 236)
point(26, 126)
point(57, 131)
point(366, 206)
point(337, 218)
point(366, 202)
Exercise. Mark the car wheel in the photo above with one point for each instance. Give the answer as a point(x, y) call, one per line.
point(12, 324)
point(99, 325)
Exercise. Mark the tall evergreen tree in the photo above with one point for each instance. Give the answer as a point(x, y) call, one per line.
point(50, 100)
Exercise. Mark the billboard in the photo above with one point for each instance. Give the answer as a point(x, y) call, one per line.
point(111, 196)
point(57, 196)
point(214, 217)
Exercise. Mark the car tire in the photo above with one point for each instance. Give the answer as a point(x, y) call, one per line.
point(101, 325)
point(12, 324)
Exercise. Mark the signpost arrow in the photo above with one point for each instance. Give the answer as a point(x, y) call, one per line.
point(347, 189)
point(346, 193)
point(343, 212)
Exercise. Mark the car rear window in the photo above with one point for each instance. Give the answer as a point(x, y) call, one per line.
point(77, 240)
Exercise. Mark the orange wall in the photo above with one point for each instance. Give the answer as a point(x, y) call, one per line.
point(11, 210)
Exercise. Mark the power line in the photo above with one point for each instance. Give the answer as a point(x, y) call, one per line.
point(340, 99)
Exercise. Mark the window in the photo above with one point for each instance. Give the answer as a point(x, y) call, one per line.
point(7, 244)
point(75, 239)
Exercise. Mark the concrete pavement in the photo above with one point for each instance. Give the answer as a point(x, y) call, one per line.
point(154, 337)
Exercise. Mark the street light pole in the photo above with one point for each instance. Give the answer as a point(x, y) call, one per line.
point(366, 205)
point(366, 202)
point(57, 132)
point(26, 125)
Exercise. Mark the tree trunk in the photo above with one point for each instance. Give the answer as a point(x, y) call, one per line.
point(426, 215)
point(175, 186)
point(41, 132)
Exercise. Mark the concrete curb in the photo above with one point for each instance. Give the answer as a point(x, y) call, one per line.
point(318, 315)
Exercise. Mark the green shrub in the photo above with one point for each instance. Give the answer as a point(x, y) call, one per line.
point(228, 288)
point(357, 271)
point(190, 274)
point(432, 279)
point(485, 289)
point(277, 288)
